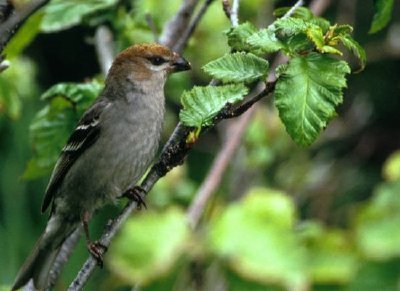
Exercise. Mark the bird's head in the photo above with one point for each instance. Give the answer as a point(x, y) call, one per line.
point(146, 64)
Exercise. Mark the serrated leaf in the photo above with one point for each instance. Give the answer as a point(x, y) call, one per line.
point(321, 22)
point(237, 36)
point(356, 49)
point(291, 26)
point(299, 12)
point(265, 40)
point(330, 50)
point(148, 246)
point(237, 67)
point(307, 93)
point(383, 14)
point(342, 29)
point(316, 36)
point(53, 124)
point(63, 14)
point(202, 104)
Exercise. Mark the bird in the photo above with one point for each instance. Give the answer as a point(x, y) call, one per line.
point(112, 146)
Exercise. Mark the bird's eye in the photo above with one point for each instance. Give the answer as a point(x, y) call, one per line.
point(157, 60)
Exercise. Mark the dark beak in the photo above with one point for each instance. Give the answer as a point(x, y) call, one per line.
point(180, 64)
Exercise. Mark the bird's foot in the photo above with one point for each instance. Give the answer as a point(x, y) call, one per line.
point(97, 250)
point(136, 194)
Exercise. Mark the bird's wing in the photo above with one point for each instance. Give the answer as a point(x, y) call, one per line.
point(85, 135)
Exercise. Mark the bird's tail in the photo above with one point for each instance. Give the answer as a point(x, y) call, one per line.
point(37, 266)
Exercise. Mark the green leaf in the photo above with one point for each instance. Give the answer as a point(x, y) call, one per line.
point(291, 26)
point(327, 49)
point(63, 14)
point(383, 14)
point(356, 49)
point(342, 29)
point(237, 36)
point(12, 92)
point(373, 276)
point(299, 12)
point(331, 257)
point(237, 67)
point(202, 104)
point(265, 40)
point(257, 241)
point(53, 124)
point(391, 168)
point(378, 224)
point(304, 14)
point(148, 246)
point(307, 92)
point(24, 35)
point(315, 34)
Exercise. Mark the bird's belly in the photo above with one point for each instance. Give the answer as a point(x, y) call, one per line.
point(115, 162)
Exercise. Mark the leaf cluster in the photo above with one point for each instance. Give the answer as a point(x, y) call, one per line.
point(309, 87)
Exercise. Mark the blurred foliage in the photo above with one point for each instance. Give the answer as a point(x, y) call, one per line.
point(325, 217)
point(52, 125)
point(383, 14)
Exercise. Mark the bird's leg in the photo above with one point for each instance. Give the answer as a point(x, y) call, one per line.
point(136, 194)
point(95, 248)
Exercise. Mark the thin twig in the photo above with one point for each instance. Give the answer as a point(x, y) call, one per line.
point(232, 12)
point(177, 25)
point(235, 13)
point(63, 256)
point(319, 6)
point(226, 7)
point(214, 176)
point(111, 229)
point(150, 22)
point(293, 9)
point(104, 44)
point(182, 42)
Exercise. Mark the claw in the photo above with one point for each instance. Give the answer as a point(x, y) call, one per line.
point(136, 194)
point(97, 249)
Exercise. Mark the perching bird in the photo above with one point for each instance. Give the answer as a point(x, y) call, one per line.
point(112, 146)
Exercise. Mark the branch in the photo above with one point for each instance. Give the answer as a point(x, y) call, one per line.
point(16, 18)
point(152, 25)
point(177, 25)
point(104, 44)
point(231, 12)
point(63, 256)
point(181, 43)
point(293, 9)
